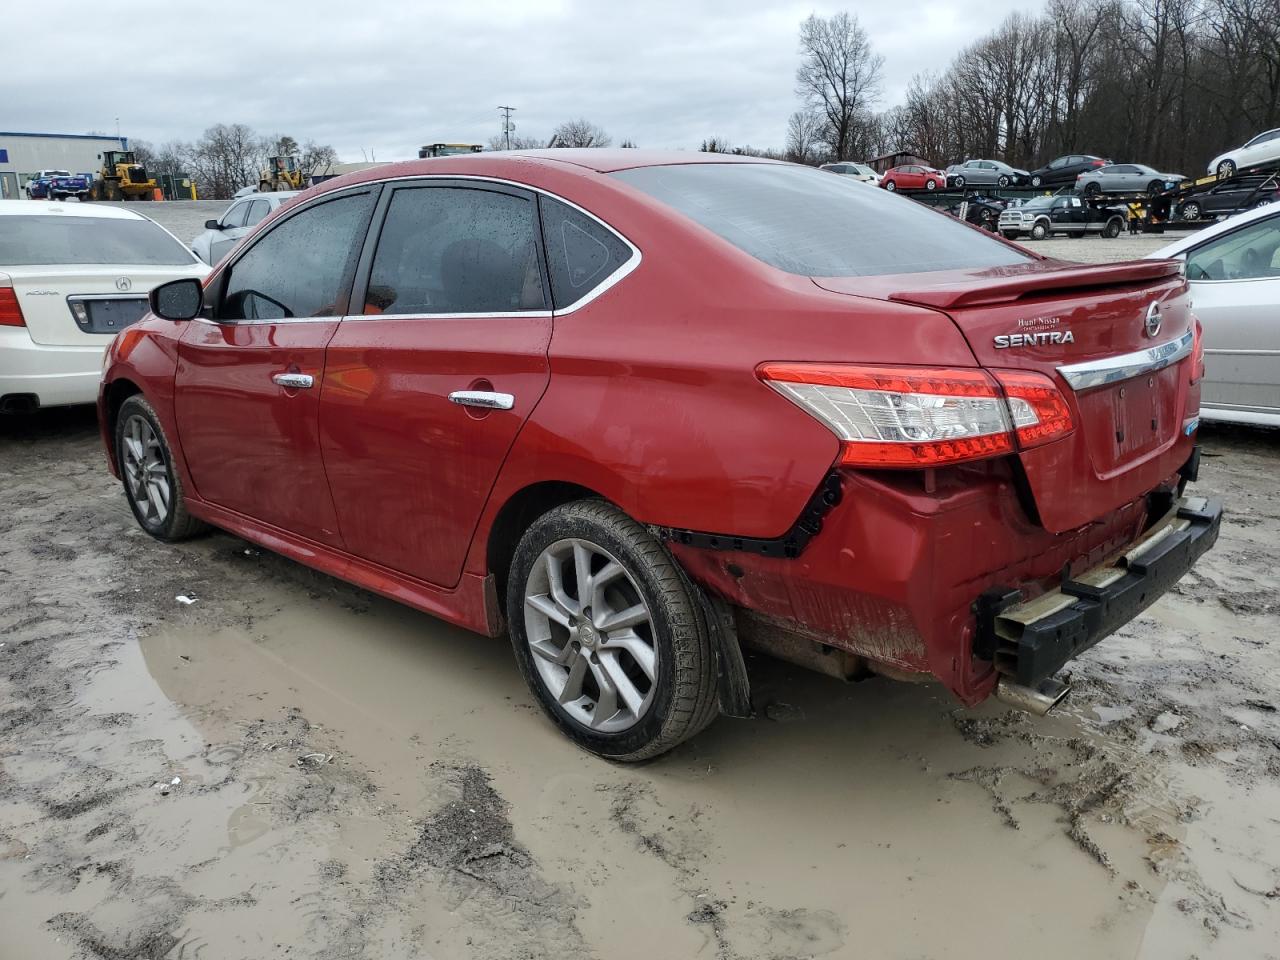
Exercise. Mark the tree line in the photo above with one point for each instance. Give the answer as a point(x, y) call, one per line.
point(229, 156)
point(1171, 83)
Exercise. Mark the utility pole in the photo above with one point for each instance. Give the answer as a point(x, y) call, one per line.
point(507, 125)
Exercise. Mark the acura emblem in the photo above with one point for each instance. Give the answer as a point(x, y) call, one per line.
point(124, 283)
point(1152, 324)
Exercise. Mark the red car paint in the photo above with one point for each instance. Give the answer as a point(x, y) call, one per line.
point(650, 396)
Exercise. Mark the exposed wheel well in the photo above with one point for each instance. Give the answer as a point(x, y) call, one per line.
point(118, 391)
point(515, 517)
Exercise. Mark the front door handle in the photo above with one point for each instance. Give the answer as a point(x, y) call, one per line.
point(294, 381)
point(486, 399)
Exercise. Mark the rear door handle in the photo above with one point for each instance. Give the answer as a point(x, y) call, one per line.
point(294, 381)
point(486, 399)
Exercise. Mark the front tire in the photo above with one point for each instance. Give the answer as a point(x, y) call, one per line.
point(959, 182)
point(609, 633)
point(151, 485)
point(890, 186)
point(1039, 231)
point(1002, 180)
point(931, 185)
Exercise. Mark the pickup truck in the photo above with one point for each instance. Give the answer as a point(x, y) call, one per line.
point(1042, 217)
point(57, 185)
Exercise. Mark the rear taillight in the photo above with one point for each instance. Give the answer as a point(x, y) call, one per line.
point(1038, 410)
point(1099, 163)
point(10, 311)
point(1197, 350)
point(922, 416)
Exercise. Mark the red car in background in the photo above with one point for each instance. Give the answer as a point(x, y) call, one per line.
point(642, 409)
point(913, 176)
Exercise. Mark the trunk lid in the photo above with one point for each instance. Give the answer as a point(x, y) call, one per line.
point(46, 294)
point(1085, 327)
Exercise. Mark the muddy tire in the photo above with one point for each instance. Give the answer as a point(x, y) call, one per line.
point(629, 670)
point(151, 485)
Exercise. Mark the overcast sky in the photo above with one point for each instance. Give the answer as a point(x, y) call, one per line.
point(383, 77)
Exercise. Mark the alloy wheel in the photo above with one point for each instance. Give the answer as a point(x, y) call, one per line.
point(591, 635)
point(146, 471)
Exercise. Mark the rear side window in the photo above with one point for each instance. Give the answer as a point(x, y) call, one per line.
point(797, 220)
point(26, 240)
point(299, 268)
point(581, 252)
point(451, 250)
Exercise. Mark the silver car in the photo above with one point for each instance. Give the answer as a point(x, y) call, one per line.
point(985, 173)
point(1234, 271)
point(1126, 178)
point(242, 216)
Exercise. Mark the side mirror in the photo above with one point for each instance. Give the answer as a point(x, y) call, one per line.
point(177, 299)
point(212, 225)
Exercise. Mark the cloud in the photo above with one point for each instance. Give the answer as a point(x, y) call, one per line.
point(379, 77)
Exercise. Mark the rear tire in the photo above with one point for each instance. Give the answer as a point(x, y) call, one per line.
point(1111, 230)
point(151, 485)
point(1092, 189)
point(1227, 168)
point(1035, 182)
point(627, 693)
point(1191, 211)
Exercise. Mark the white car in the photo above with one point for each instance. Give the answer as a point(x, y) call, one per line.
point(1264, 148)
point(854, 171)
point(71, 277)
point(1234, 270)
point(242, 216)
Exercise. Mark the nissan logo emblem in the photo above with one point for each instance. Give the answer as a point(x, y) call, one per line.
point(124, 283)
point(1152, 323)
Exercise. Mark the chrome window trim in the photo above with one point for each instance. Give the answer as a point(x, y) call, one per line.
point(1125, 366)
point(621, 273)
point(618, 275)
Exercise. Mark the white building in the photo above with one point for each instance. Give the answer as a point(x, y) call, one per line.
point(22, 154)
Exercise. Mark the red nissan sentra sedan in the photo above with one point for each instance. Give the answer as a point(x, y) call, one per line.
point(639, 408)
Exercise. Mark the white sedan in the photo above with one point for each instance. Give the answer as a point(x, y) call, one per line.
point(1234, 270)
point(71, 277)
point(241, 217)
point(1264, 148)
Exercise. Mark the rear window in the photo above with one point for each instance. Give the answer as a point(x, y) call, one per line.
point(26, 240)
point(800, 221)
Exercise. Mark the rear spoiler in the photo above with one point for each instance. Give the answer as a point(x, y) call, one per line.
point(989, 287)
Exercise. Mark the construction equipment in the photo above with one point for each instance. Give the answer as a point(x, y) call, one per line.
point(122, 177)
point(282, 173)
point(447, 149)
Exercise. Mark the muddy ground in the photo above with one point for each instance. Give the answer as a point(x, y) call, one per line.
point(291, 767)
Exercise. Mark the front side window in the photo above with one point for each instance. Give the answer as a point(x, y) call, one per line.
point(456, 250)
point(797, 220)
point(258, 211)
point(581, 253)
point(235, 216)
point(1250, 253)
point(49, 239)
point(301, 266)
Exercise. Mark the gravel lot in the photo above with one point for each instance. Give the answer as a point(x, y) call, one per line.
point(290, 766)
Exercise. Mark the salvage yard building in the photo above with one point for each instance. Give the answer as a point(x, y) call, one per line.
point(22, 154)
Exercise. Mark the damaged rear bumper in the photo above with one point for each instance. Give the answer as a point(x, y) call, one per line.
point(1029, 641)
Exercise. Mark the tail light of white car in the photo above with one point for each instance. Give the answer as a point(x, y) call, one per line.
point(922, 416)
point(10, 309)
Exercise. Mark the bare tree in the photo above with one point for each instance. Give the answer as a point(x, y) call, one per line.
point(314, 158)
point(226, 157)
point(499, 142)
point(839, 76)
point(715, 145)
point(579, 133)
point(804, 137)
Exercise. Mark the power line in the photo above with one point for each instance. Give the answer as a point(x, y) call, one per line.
point(507, 125)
